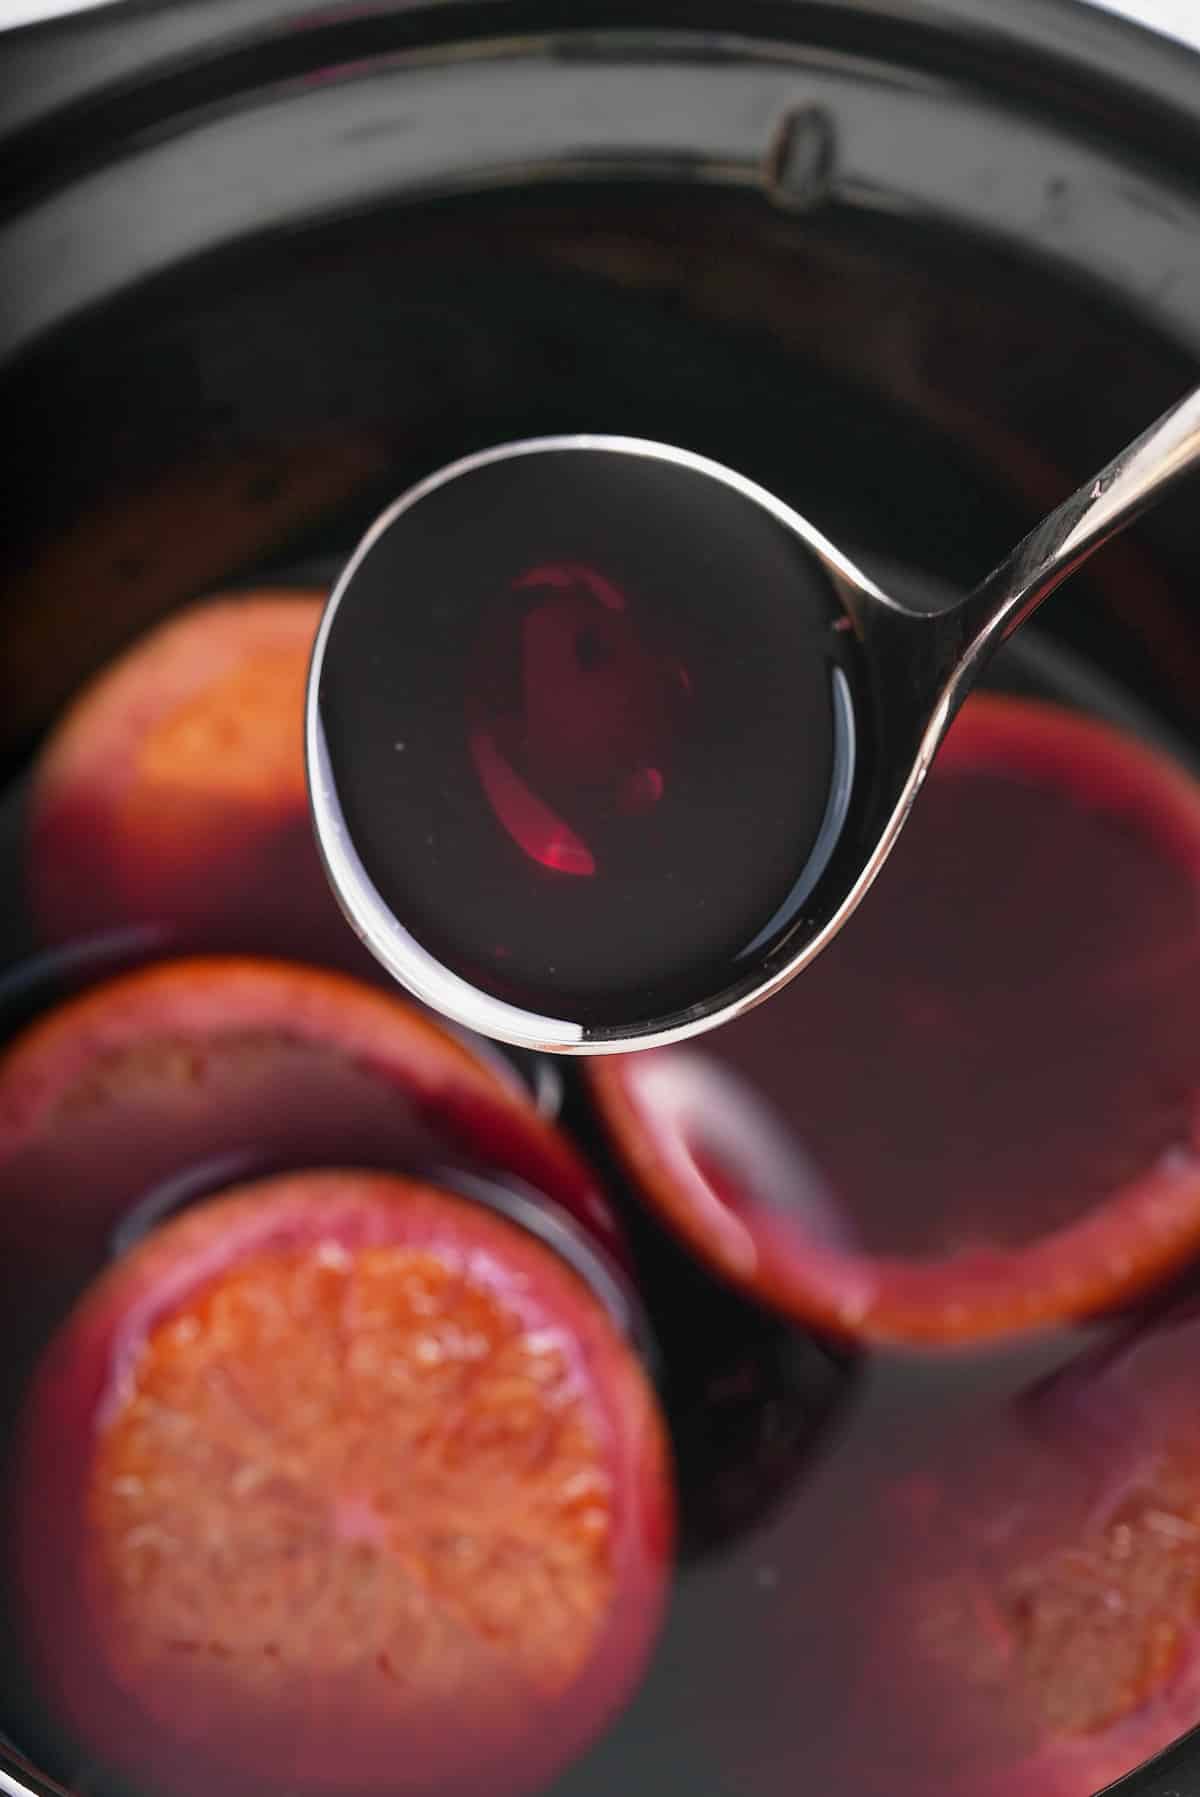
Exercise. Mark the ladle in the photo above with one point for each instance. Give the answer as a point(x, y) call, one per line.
point(605, 742)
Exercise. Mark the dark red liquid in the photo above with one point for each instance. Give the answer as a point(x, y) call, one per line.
point(584, 721)
point(787, 1668)
point(1002, 1036)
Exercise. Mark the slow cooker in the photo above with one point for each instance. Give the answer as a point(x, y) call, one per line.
point(915, 265)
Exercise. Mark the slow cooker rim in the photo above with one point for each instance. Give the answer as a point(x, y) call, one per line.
point(84, 79)
point(652, 108)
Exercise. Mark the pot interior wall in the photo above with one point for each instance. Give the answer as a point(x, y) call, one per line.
point(920, 395)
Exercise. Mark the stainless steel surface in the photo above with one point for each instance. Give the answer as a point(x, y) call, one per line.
point(1133, 480)
point(919, 665)
point(19, 1779)
point(365, 908)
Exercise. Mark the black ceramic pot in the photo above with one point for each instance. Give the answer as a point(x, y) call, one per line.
point(917, 265)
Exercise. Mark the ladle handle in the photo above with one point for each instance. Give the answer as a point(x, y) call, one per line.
point(1141, 474)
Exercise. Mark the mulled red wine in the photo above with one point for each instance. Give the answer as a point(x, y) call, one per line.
point(587, 715)
point(885, 1587)
point(977, 1111)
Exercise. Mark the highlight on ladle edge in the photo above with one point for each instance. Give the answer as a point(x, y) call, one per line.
point(815, 1406)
